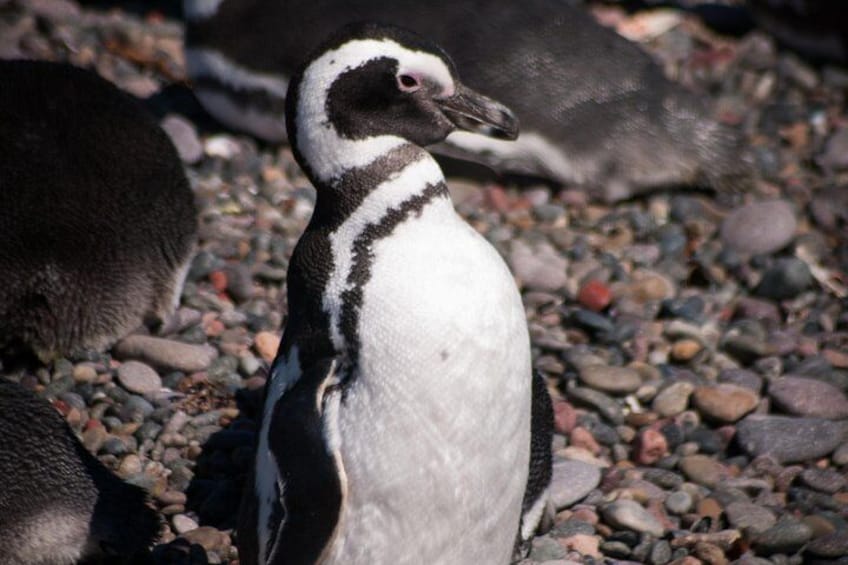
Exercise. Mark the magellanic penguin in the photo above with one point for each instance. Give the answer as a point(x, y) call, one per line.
point(97, 220)
point(397, 419)
point(816, 28)
point(58, 503)
point(595, 110)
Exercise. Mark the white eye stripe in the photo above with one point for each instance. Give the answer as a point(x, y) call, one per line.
point(315, 142)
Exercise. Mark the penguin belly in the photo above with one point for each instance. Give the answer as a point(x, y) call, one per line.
point(433, 427)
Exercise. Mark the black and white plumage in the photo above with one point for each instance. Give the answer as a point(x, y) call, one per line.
point(815, 28)
point(397, 419)
point(58, 503)
point(97, 220)
point(595, 109)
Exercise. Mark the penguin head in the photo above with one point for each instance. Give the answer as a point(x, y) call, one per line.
point(372, 87)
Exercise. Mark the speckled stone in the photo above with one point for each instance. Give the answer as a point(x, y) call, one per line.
point(630, 515)
point(789, 439)
point(760, 227)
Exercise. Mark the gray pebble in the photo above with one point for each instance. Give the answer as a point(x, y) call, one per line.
point(789, 439)
point(616, 380)
point(750, 517)
point(787, 536)
point(787, 278)
point(139, 378)
point(572, 481)
point(630, 515)
point(679, 502)
point(165, 353)
point(760, 227)
point(808, 397)
point(831, 545)
point(184, 137)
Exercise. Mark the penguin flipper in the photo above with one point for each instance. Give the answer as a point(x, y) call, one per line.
point(535, 507)
point(311, 485)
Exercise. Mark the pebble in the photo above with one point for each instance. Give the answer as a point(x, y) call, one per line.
point(789, 439)
point(542, 268)
point(787, 278)
point(184, 137)
point(749, 517)
point(165, 353)
point(572, 481)
point(823, 480)
point(832, 545)
point(725, 402)
point(685, 350)
point(594, 295)
point(760, 227)
point(267, 344)
point(788, 535)
point(616, 380)
point(182, 523)
point(673, 399)
point(631, 515)
point(651, 446)
point(808, 397)
point(703, 470)
point(139, 378)
point(605, 405)
point(679, 502)
point(835, 154)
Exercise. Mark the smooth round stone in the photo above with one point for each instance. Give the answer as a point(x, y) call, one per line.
point(808, 397)
point(787, 278)
point(630, 515)
point(685, 349)
point(607, 407)
point(184, 137)
point(544, 548)
point(542, 268)
point(679, 502)
point(788, 439)
point(209, 538)
point(572, 481)
point(165, 353)
point(823, 480)
point(616, 380)
point(139, 378)
point(831, 545)
point(673, 399)
point(660, 553)
point(787, 536)
point(747, 516)
point(742, 377)
point(725, 402)
point(183, 523)
point(703, 470)
point(760, 227)
point(840, 456)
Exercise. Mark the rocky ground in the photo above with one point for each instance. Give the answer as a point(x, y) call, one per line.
point(695, 347)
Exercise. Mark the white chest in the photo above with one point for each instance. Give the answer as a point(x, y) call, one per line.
point(434, 429)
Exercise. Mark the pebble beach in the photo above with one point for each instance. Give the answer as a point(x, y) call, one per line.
point(695, 344)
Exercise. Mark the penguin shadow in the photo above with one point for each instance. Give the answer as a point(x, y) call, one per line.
point(214, 493)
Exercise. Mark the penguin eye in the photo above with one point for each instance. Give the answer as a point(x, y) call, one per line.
point(408, 83)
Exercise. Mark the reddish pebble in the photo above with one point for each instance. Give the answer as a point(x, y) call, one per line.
point(498, 199)
point(651, 446)
point(595, 296)
point(218, 280)
point(565, 417)
point(214, 328)
point(581, 437)
point(92, 423)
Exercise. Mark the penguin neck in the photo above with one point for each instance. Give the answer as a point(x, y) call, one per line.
point(383, 183)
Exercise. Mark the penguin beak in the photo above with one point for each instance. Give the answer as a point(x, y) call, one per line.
point(471, 111)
